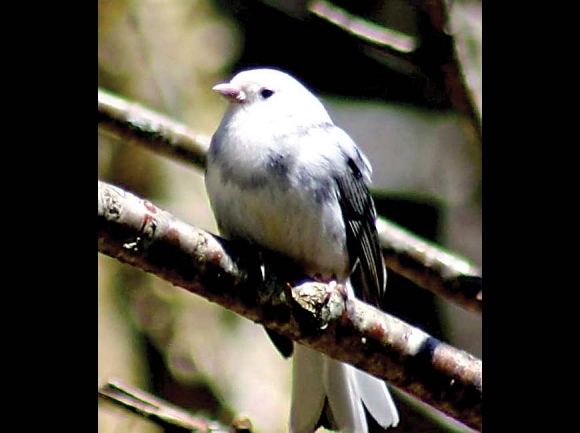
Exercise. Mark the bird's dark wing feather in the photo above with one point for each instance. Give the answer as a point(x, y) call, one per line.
point(358, 210)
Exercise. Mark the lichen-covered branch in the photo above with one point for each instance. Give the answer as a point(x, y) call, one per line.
point(422, 262)
point(163, 413)
point(137, 232)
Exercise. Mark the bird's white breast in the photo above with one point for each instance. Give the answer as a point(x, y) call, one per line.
point(287, 219)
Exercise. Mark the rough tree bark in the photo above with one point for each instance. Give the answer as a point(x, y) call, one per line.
point(137, 232)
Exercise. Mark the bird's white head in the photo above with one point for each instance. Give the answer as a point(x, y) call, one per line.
point(271, 95)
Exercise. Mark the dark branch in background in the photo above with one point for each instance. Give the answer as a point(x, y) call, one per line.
point(164, 414)
point(439, 44)
point(430, 266)
point(433, 54)
point(136, 232)
point(416, 259)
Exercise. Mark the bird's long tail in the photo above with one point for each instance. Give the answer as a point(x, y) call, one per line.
point(316, 377)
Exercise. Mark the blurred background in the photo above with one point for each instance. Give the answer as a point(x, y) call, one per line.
point(406, 91)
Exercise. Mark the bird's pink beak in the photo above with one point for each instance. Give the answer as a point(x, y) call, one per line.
point(231, 92)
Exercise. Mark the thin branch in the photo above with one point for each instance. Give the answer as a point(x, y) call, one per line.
point(430, 266)
point(133, 122)
point(418, 260)
point(163, 413)
point(136, 232)
point(363, 29)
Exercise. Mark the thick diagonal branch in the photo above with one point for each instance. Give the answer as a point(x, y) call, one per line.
point(137, 232)
point(422, 262)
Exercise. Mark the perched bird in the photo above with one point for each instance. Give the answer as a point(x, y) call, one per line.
point(282, 176)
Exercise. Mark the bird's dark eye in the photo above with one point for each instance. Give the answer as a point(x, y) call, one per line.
point(266, 93)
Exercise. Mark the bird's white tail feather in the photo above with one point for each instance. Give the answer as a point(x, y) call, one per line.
point(307, 389)
point(315, 376)
point(376, 398)
point(341, 389)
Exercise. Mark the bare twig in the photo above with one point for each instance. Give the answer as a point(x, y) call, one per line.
point(136, 232)
point(135, 123)
point(430, 266)
point(422, 262)
point(361, 28)
point(163, 413)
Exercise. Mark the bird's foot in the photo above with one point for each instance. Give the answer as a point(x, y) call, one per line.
point(333, 285)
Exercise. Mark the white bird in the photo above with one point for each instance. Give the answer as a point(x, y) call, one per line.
point(282, 176)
